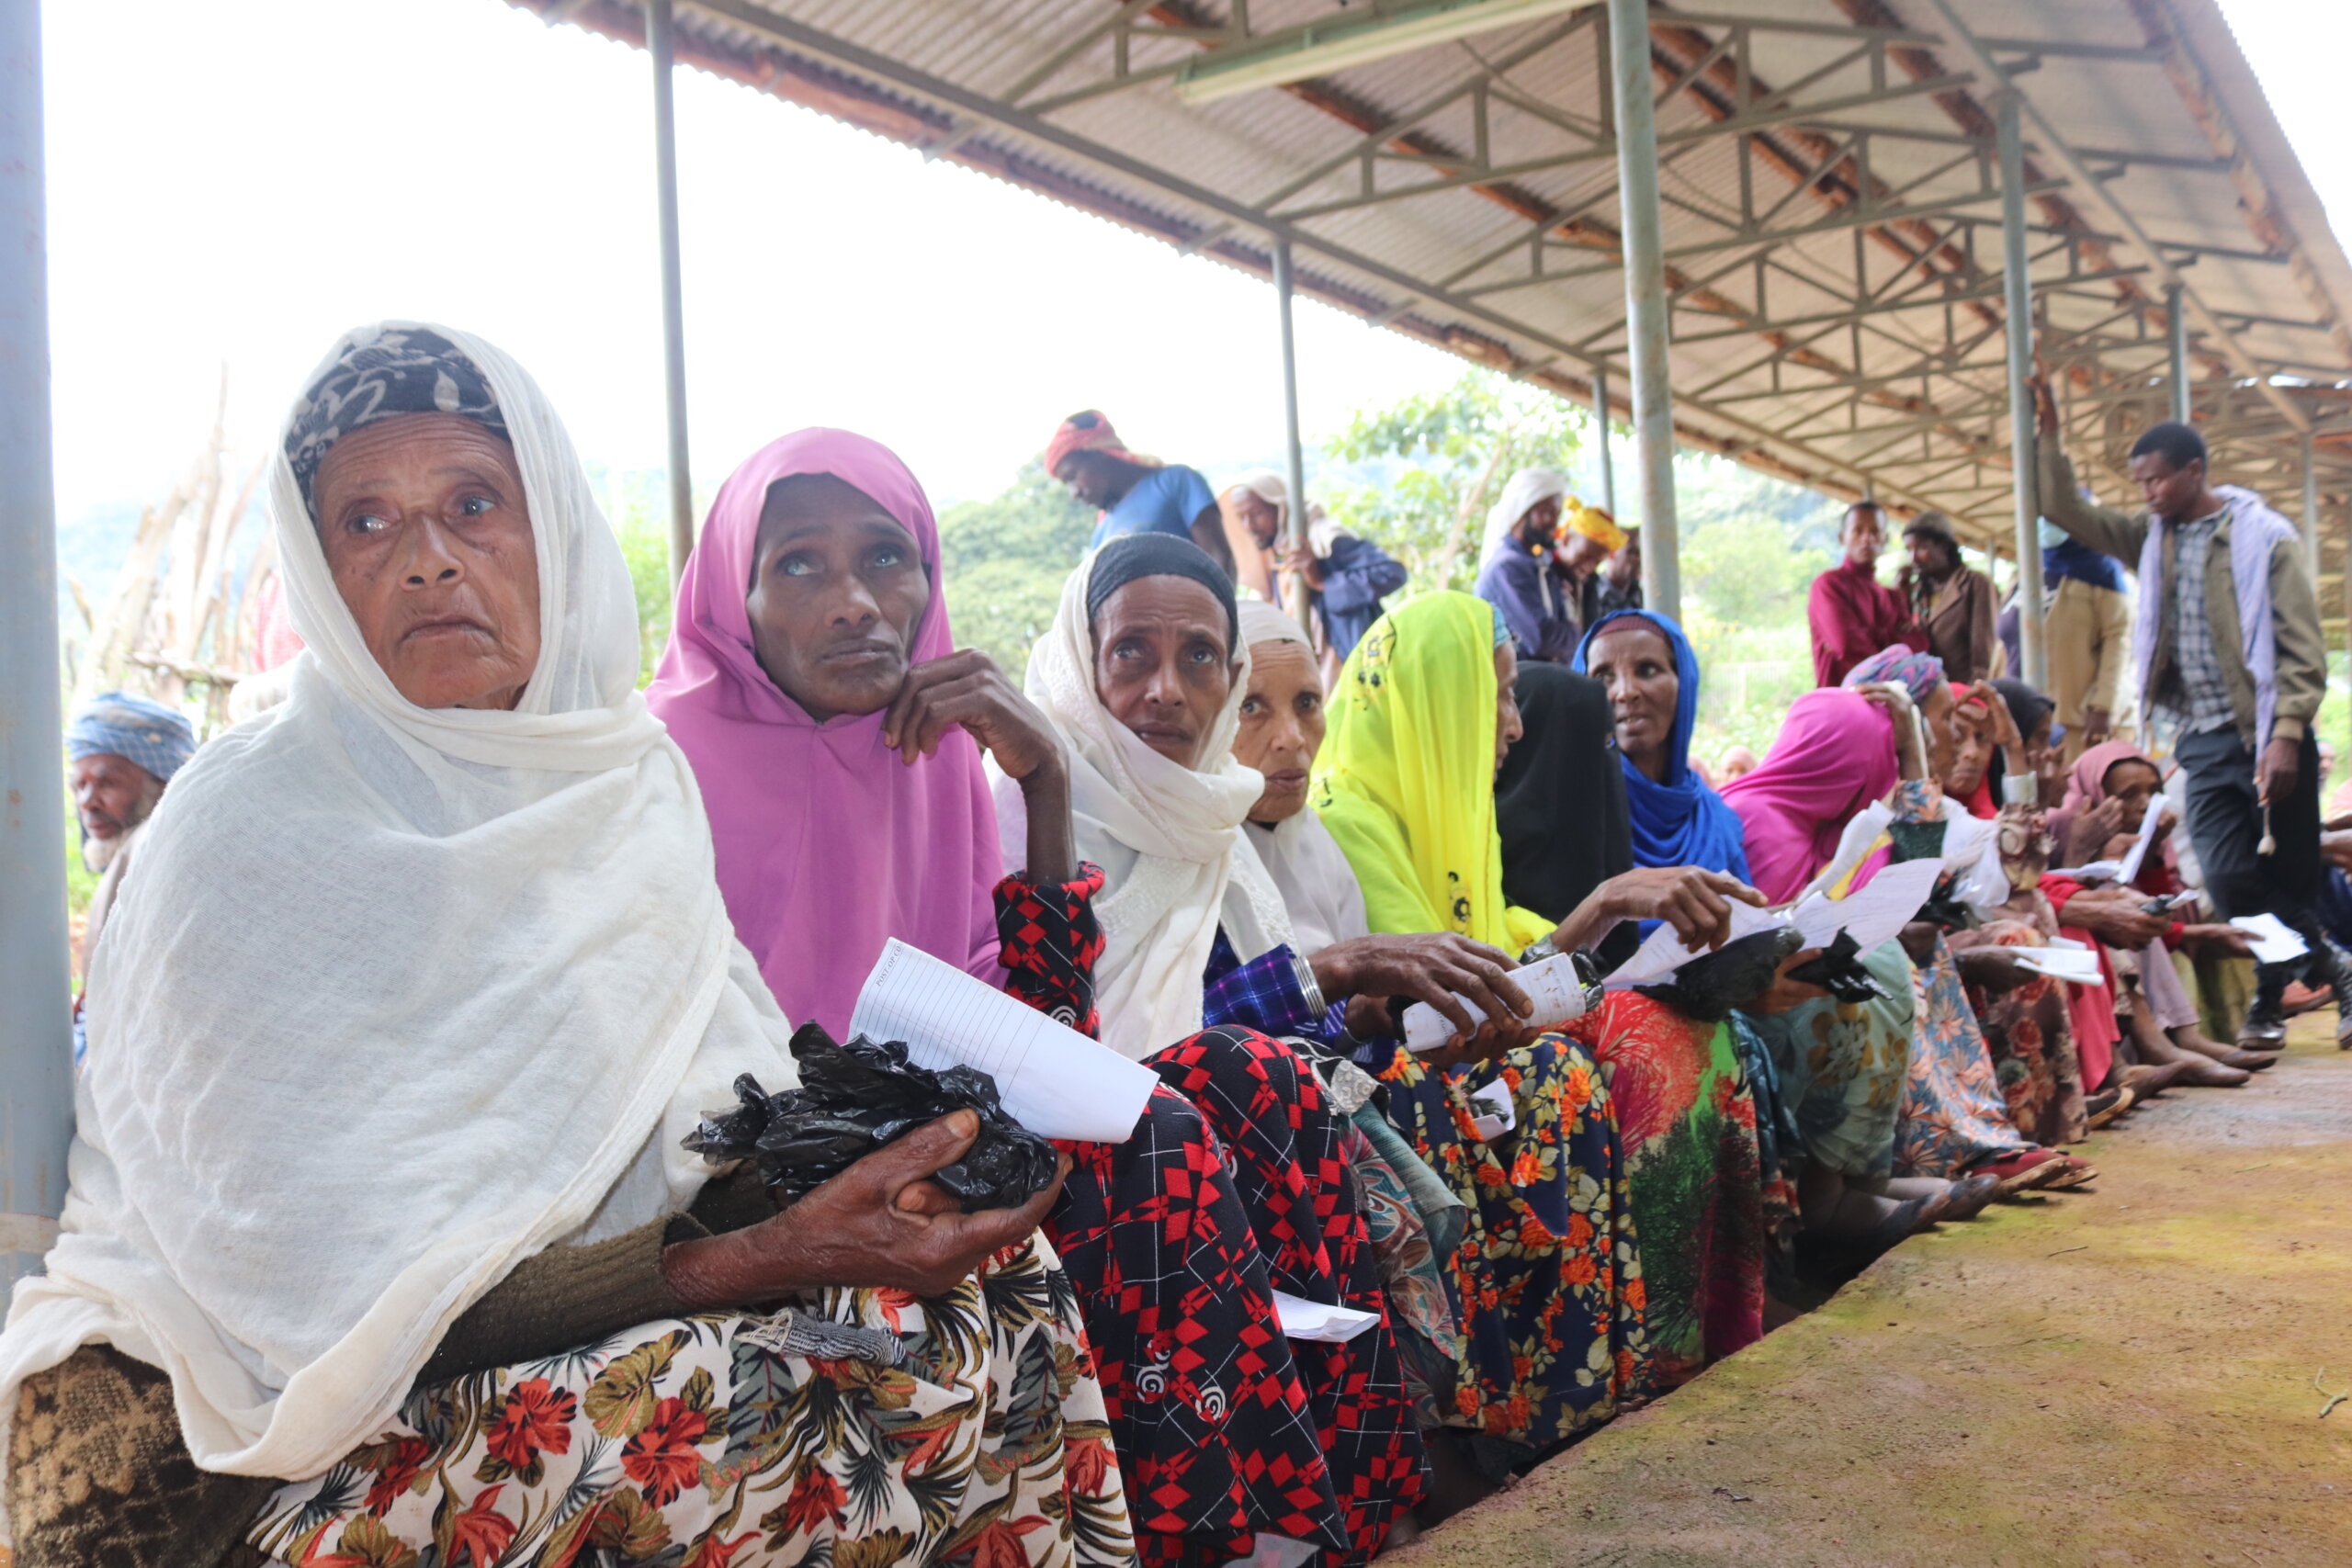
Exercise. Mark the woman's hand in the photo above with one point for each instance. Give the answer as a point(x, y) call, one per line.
point(967, 689)
point(1786, 993)
point(1895, 702)
point(2004, 722)
point(882, 1224)
point(1919, 939)
point(2091, 830)
point(2113, 915)
point(1428, 967)
point(1992, 968)
point(2216, 941)
point(1696, 903)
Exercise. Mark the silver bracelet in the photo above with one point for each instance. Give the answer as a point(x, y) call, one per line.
point(1314, 992)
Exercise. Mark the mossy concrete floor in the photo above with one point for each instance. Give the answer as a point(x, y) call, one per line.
point(2118, 1375)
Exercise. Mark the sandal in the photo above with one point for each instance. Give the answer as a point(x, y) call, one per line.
point(2072, 1173)
point(1967, 1197)
point(2124, 1099)
point(2023, 1171)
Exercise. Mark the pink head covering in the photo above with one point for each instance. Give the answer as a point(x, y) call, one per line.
point(827, 843)
point(2086, 785)
point(1834, 754)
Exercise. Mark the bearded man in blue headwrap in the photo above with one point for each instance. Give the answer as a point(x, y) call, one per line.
point(123, 749)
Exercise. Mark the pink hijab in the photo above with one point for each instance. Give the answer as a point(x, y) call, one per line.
point(1834, 754)
point(2086, 786)
point(827, 843)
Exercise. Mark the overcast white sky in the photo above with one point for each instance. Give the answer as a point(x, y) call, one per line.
point(237, 183)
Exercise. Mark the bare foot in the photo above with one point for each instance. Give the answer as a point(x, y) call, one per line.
point(2187, 1038)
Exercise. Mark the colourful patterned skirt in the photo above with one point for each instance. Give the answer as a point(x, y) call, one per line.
point(1547, 1280)
point(1842, 1067)
point(695, 1441)
point(1954, 1116)
point(2029, 1034)
point(1688, 1126)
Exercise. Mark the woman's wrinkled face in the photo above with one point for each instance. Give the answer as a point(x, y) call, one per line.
point(1633, 659)
point(1163, 664)
point(2134, 783)
point(428, 536)
point(1281, 725)
point(1972, 749)
point(1507, 727)
point(837, 594)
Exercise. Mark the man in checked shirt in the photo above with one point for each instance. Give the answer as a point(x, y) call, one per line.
point(2232, 662)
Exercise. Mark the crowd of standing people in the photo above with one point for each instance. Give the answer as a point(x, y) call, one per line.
point(385, 1239)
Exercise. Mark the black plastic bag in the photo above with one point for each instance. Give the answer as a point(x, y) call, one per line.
point(1710, 987)
point(857, 1098)
point(1839, 971)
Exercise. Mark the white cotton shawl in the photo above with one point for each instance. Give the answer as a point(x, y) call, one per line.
point(401, 998)
point(1168, 839)
point(1319, 887)
point(1524, 489)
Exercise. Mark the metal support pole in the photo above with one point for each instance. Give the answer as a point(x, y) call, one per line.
point(1294, 470)
point(1601, 428)
point(674, 311)
point(36, 1028)
point(1646, 306)
point(2176, 332)
point(2311, 510)
point(2016, 288)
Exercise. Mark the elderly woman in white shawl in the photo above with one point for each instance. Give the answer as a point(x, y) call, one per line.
point(380, 1239)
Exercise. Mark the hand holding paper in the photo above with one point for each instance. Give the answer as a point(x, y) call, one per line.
point(1552, 985)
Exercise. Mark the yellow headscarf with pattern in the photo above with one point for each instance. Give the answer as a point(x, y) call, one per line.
point(1405, 779)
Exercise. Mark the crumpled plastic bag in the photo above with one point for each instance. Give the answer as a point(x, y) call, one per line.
point(857, 1098)
point(1839, 971)
point(1710, 987)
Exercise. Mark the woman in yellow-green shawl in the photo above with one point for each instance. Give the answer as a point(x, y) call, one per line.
point(1548, 1276)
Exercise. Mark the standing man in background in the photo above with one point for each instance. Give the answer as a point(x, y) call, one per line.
point(2230, 653)
point(1851, 613)
point(1347, 578)
point(2085, 631)
point(123, 751)
point(1617, 584)
point(1952, 602)
point(1136, 495)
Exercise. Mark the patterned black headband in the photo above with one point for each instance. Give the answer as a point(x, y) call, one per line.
point(395, 370)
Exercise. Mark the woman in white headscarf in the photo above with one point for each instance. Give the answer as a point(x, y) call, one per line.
point(378, 1185)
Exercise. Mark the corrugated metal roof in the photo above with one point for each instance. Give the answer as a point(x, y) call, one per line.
point(1831, 218)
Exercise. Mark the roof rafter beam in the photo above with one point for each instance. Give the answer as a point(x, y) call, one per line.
point(2096, 191)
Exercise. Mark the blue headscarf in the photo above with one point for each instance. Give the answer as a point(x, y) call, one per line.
point(145, 731)
point(1679, 821)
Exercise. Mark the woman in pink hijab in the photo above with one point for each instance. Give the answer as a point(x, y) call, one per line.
point(1835, 755)
point(836, 733)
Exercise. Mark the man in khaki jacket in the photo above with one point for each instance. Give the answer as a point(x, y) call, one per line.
point(2231, 660)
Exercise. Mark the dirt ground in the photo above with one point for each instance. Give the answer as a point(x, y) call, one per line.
point(2122, 1374)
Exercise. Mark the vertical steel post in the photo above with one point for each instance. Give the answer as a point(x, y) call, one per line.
point(2016, 290)
point(658, 44)
point(1646, 308)
point(36, 1030)
point(2311, 510)
point(1294, 469)
point(1601, 430)
point(2176, 335)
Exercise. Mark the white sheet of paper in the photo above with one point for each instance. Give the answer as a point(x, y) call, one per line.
point(2147, 835)
point(1873, 916)
point(2098, 870)
point(1662, 953)
point(1499, 1117)
point(1051, 1079)
point(1302, 1319)
point(1551, 984)
point(2075, 966)
point(2274, 943)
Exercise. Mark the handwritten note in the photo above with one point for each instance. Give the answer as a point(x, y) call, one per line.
point(1302, 1319)
point(1051, 1079)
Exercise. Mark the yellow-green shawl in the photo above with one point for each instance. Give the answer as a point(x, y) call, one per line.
point(1405, 779)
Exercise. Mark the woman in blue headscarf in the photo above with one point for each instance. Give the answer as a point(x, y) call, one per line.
point(1651, 677)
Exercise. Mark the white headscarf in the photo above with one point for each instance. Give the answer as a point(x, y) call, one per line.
point(1526, 489)
point(1168, 839)
point(399, 997)
point(1310, 871)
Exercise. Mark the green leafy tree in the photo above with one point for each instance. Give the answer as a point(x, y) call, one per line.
point(1451, 453)
point(1004, 562)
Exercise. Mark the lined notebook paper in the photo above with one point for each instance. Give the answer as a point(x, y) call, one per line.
point(1052, 1079)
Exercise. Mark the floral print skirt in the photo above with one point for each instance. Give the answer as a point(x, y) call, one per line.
point(1954, 1115)
point(697, 1442)
point(1842, 1067)
point(2030, 1034)
point(1547, 1280)
point(1687, 1125)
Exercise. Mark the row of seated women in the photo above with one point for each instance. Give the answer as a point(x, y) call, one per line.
point(383, 1245)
